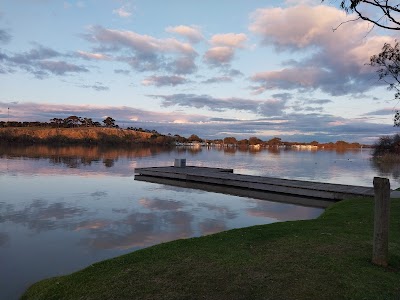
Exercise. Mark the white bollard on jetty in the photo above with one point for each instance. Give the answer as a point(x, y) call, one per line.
point(180, 163)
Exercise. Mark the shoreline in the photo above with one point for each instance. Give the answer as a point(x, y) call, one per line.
point(119, 136)
point(325, 258)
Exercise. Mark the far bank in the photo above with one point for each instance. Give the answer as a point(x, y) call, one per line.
point(79, 135)
point(82, 135)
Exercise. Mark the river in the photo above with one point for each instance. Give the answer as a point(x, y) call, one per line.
point(64, 208)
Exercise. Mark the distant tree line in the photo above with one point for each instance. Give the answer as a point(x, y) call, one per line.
point(273, 142)
point(73, 122)
point(69, 122)
point(140, 129)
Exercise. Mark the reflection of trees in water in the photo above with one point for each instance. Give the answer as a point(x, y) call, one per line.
point(194, 150)
point(42, 151)
point(187, 149)
point(72, 161)
point(242, 148)
point(108, 162)
point(76, 156)
point(274, 150)
point(386, 168)
point(343, 151)
point(230, 150)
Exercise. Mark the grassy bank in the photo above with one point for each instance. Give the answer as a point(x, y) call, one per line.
point(77, 136)
point(326, 258)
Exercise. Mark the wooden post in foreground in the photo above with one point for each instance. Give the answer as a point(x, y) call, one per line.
point(381, 221)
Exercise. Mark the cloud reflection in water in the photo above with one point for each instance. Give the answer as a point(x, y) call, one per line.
point(40, 215)
point(138, 230)
point(288, 212)
point(4, 239)
point(160, 204)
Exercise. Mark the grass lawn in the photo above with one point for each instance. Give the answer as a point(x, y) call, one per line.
point(325, 258)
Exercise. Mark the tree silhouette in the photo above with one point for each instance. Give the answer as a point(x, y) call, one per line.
point(386, 17)
point(88, 122)
point(72, 121)
point(56, 122)
point(254, 140)
point(387, 12)
point(244, 142)
point(388, 64)
point(109, 122)
point(230, 140)
point(388, 69)
point(275, 141)
point(194, 138)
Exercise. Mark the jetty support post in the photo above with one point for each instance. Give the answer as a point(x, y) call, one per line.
point(380, 250)
point(180, 163)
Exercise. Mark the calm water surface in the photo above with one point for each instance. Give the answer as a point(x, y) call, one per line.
point(62, 209)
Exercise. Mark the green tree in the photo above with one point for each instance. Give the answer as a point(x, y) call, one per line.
point(109, 122)
point(56, 122)
point(194, 138)
point(71, 121)
point(255, 140)
point(387, 145)
point(87, 122)
point(275, 142)
point(341, 144)
point(230, 140)
point(244, 142)
point(180, 139)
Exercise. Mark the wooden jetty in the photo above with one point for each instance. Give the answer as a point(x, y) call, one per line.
point(274, 189)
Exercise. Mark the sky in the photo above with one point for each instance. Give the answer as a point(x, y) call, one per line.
point(288, 69)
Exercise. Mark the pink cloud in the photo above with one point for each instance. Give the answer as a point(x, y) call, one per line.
point(305, 77)
point(139, 42)
point(219, 55)
point(144, 52)
point(235, 40)
point(337, 62)
point(192, 33)
point(298, 26)
point(88, 55)
point(223, 48)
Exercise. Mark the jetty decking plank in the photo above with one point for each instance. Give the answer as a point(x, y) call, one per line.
point(226, 177)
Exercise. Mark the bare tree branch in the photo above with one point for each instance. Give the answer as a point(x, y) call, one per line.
point(337, 27)
point(390, 10)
